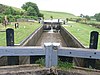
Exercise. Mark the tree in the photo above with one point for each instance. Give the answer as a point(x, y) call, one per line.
point(2, 8)
point(31, 11)
point(97, 16)
point(32, 5)
point(87, 17)
point(17, 12)
point(21, 12)
point(41, 15)
point(17, 17)
point(9, 11)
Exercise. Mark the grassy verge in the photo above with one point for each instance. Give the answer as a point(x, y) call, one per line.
point(64, 65)
point(82, 32)
point(24, 30)
point(61, 65)
point(60, 15)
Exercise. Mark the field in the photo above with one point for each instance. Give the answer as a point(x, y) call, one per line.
point(24, 30)
point(82, 32)
point(60, 15)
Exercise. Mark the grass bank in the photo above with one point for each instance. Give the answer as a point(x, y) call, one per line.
point(24, 30)
point(82, 32)
point(60, 15)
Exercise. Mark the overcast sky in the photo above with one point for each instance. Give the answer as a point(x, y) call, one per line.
point(76, 7)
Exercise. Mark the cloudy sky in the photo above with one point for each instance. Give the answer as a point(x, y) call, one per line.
point(76, 7)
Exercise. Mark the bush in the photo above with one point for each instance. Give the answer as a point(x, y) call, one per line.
point(1, 18)
point(64, 65)
point(78, 20)
point(97, 16)
point(41, 15)
point(11, 18)
point(40, 61)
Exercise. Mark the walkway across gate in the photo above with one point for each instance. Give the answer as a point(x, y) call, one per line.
point(51, 51)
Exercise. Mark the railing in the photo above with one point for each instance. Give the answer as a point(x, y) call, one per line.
point(51, 51)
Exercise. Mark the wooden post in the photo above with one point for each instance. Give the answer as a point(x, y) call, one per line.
point(11, 60)
point(48, 54)
point(55, 54)
point(51, 57)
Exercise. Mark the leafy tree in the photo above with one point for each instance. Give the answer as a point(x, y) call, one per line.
point(21, 13)
point(97, 16)
point(41, 15)
point(16, 13)
point(87, 17)
point(31, 11)
point(33, 5)
point(9, 10)
point(1, 9)
point(17, 17)
point(1, 17)
point(10, 18)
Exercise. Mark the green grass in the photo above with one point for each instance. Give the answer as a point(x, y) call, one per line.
point(40, 61)
point(61, 15)
point(61, 65)
point(95, 22)
point(82, 32)
point(24, 30)
point(64, 65)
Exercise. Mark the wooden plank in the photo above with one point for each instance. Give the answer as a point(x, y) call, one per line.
point(48, 53)
point(79, 52)
point(21, 51)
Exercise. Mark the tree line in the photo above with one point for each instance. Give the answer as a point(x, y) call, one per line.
point(96, 16)
point(30, 11)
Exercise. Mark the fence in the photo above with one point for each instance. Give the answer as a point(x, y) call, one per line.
point(51, 51)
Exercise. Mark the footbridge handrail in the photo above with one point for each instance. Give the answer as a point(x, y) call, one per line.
point(79, 52)
point(51, 52)
point(21, 51)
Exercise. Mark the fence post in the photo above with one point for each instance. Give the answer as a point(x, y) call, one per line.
point(55, 54)
point(10, 42)
point(48, 54)
point(51, 58)
point(93, 45)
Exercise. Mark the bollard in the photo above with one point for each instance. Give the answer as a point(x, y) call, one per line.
point(94, 40)
point(93, 45)
point(10, 37)
point(10, 42)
